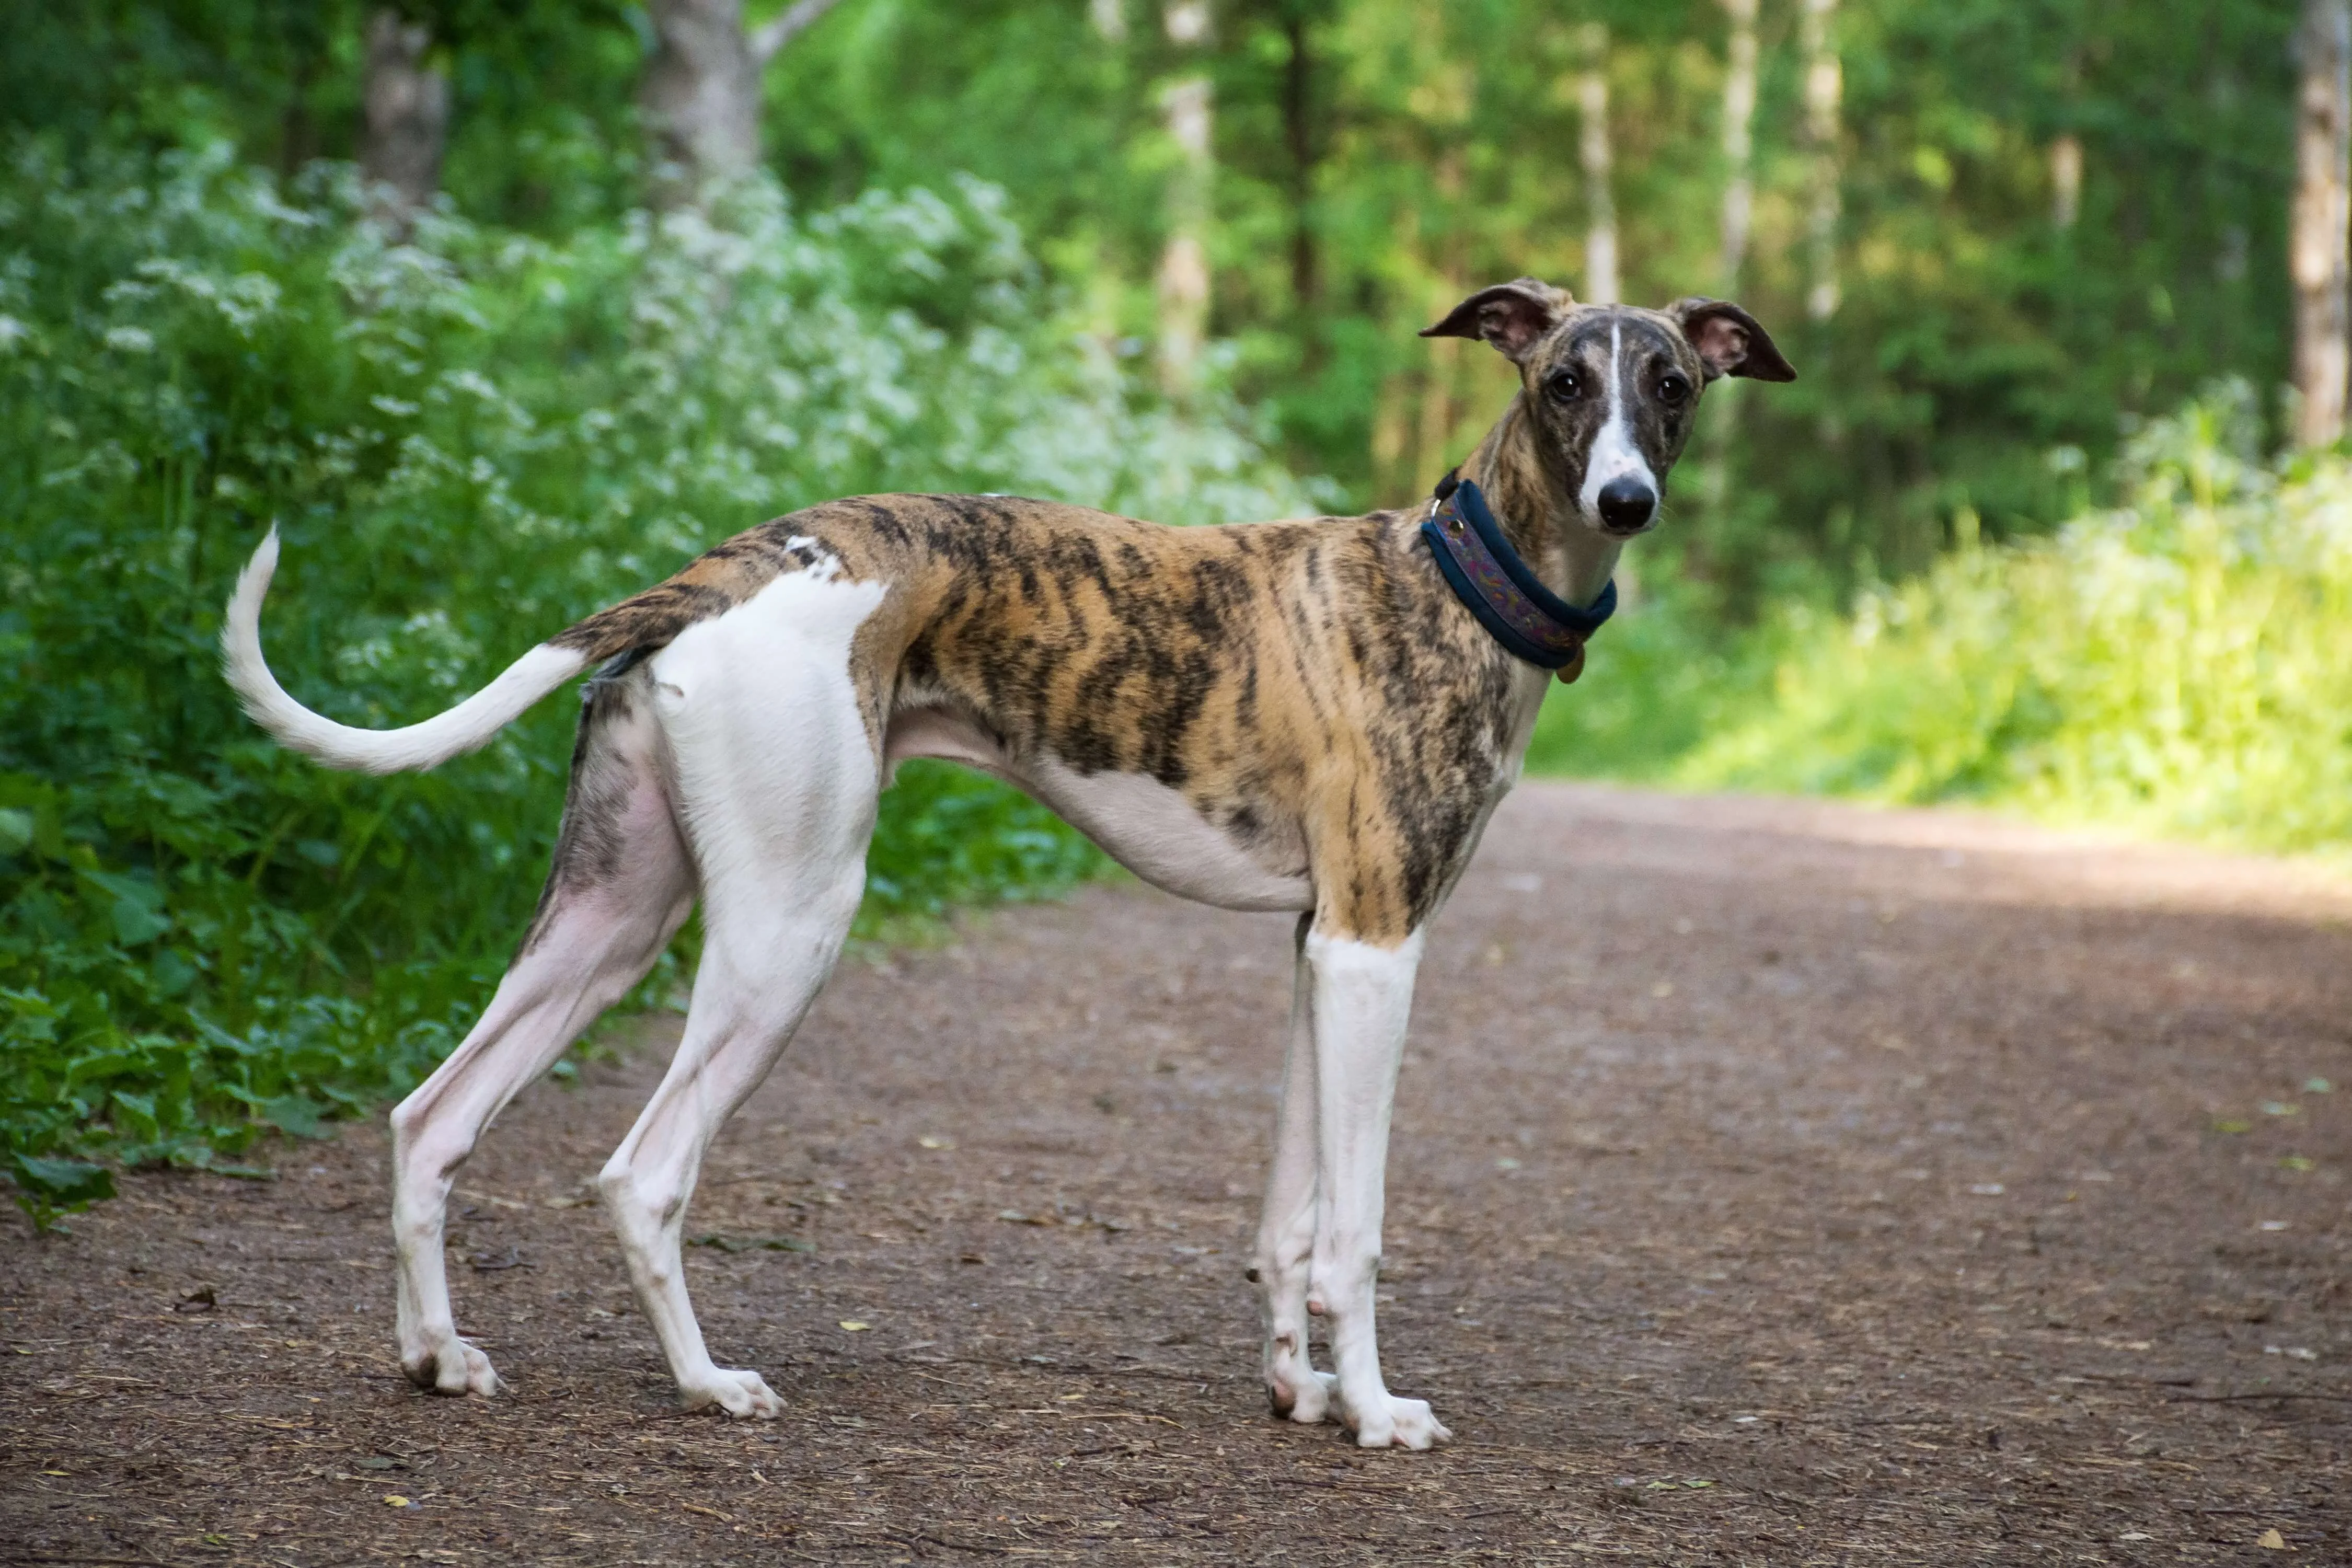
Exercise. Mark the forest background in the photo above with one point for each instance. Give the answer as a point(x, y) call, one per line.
point(503, 308)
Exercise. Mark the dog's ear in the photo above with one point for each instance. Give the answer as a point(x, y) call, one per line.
point(1728, 341)
point(1512, 316)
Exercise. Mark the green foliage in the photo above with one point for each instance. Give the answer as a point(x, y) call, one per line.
point(1666, 673)
point(468, 442)
point(2181, 664)
point(1376, 159)
point(543, 130)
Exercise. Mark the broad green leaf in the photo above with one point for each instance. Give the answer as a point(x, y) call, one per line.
point(136, 923)
point(62, 1182)
point(293, 1113)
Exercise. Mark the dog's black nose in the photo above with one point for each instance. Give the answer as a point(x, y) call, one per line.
point(1626, 505)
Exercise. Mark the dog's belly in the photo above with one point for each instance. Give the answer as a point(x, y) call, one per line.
point(1152, 830)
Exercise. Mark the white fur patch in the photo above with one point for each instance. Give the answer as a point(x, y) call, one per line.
point(762, 721)
point(1614, 455)
point(824, 565)
point(1154, 832)
point(1146, 827)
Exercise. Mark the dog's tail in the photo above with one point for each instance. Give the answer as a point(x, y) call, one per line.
point(461, 729)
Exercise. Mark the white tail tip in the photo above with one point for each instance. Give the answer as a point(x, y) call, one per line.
point(469, 725)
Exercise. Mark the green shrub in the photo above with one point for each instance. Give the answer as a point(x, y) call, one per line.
point(2182, 665)
point(468, 441)
point(1667, 673)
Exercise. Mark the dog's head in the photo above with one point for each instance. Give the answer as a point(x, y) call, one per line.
point(1612, 390)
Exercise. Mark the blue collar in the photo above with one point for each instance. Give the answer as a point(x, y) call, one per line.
point(1530, 620)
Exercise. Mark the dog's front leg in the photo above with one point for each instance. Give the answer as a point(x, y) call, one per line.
point(1363, 995)
point(1286, 1236)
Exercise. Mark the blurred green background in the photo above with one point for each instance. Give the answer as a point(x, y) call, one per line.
point(455, 293)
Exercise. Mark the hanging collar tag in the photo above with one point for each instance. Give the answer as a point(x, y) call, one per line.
point(1530, 620)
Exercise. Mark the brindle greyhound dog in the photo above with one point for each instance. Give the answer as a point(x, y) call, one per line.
point(1306, 716)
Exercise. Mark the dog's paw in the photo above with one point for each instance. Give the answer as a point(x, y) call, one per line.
point(1393, 1422)
point(1306, 1400)
point(742, 1394)
point(453, 1367)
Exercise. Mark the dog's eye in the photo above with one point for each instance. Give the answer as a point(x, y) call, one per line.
point(1563, 386)
point(1674, 389)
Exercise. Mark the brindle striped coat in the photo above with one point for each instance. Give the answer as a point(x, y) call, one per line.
point(1312, 688)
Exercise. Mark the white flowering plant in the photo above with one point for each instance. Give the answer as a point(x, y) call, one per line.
point(468, 438)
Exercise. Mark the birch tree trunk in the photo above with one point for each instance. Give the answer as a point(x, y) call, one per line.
point(700, 93)
point(405, 120)
point(1592, 151)
point(2323, 169)
point(2066, 156)
point(1824, 89)
point(1720, 425)
point(1739, 140)
point(1183, 280)
point(2065, 179)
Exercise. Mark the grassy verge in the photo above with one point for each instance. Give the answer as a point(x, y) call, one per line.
point(2180, 665)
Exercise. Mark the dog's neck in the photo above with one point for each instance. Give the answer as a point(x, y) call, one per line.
point(1538, 514)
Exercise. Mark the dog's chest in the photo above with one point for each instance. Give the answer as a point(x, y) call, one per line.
point(1152, 829)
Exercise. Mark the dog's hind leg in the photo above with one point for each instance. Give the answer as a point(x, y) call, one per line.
point(775, 771)
point(757, 980)
point(618, 890)
point(1285, 1237)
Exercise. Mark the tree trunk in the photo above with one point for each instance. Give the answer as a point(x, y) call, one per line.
point(700, 94)
point(2066, 153)
point(1739, 140)
point(1433, 450)
point(306, 46)
point(1825, 88)
point(1720, 421)
point(2323, 169)
point(406, 119)
point(1593, 149)
point(1183, 280)
point(1298, 130)
point(2065, 179)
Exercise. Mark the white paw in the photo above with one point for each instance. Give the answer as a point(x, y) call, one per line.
point(1306, 1400)
point(742, 1394)
point(451, 1366)
point(1393, 1422)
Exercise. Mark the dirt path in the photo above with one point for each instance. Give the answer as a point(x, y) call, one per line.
point(1773, 1184)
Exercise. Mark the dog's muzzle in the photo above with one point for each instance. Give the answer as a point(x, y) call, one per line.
point(1626, 506)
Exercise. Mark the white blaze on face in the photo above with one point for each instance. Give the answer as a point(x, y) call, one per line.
point(1614, 455)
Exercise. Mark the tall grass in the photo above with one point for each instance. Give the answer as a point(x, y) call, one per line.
point(2181, 664)
point(468, 441)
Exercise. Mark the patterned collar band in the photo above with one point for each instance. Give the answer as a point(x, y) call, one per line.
point(1511, 601)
